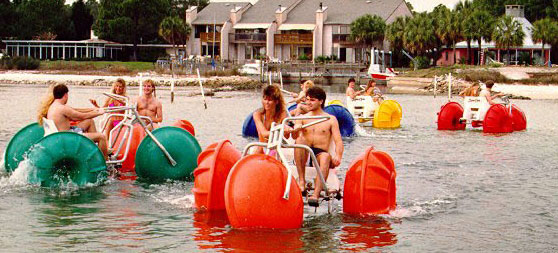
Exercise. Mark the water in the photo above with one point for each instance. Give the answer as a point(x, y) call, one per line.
point(456, 191)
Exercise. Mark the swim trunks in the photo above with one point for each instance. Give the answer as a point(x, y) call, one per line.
point(317, 151)
point(75, 129)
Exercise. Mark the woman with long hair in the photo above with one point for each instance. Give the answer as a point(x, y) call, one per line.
point(273, 110)
point(48, 99)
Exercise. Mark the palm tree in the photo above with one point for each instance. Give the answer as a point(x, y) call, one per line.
point(439, 18)
point(447, 28)
point(544, 31)
point(419, 36)
point(479, 26)
point(507, 33)
point(368, 30)
point(174, 30)
point(465, 8)
point(456, 32)
point(395, 32)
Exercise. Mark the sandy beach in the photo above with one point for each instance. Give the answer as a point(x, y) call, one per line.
point(401, 87)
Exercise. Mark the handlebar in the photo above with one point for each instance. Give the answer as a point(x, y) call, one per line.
point(117, 97)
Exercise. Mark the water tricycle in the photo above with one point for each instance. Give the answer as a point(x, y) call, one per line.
point(383, 114)
point(260, 190)
point(165, 153)
point(496, 118)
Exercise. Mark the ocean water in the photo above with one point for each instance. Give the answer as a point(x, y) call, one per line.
point(459, 191)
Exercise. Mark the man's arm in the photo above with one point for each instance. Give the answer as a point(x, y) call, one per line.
point(336, 135)
point(74, 114)
point(352, 93)
point(490, 99)
point(159, 117)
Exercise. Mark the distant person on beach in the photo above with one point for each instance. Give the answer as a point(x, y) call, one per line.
point(118, 88)
point(273, 110)
point(471, 91)
point(148, 105)
point(318, 137)
point(487, 93)
point(62, 115)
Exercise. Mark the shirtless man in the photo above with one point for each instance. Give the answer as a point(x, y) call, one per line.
point(350, 92)
point(318, 137)
point(61, 115)
point(487, 93)
point(149, 105)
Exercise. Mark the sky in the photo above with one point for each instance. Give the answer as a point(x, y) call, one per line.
point(428, 5)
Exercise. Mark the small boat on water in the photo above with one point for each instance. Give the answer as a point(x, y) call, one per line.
point(377, 69)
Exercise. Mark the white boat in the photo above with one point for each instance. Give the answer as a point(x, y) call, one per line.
point(377, 70)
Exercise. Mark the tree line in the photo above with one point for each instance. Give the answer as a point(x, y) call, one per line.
point(123, 21)
point(425, 34)
point(46, 19)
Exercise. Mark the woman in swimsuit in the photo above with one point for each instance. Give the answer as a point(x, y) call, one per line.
point(272, 110)
point(118, 88)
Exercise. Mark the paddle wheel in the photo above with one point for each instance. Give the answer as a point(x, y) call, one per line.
point(497, 118)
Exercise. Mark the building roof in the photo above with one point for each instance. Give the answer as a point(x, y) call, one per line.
point(528, 42)
point(217, 12)
point(341, 11)
point(264, 11)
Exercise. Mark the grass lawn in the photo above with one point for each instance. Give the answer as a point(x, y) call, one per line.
point(113, 66)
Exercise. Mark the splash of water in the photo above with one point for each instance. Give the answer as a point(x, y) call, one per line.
point(423, 208)
point(18, 178)
point(360, 131)
point(174, 194)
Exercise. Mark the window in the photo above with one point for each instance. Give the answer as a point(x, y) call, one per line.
point(197, 30)
point(344, 29)
point(248, 52)
point(335, 29)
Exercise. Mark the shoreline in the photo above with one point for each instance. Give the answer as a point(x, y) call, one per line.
point(41, 78)
point(398, 85)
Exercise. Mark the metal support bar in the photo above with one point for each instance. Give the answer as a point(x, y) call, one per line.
point(169, 157)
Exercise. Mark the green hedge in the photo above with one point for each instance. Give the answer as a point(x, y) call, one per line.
point(20, 63)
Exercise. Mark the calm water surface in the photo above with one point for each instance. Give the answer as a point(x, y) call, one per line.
point(456, 191)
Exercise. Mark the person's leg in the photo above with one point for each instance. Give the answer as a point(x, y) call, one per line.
point(109, 126)
point(87, 125)
point(101, 141)
point(301, 156)
point(324, 159)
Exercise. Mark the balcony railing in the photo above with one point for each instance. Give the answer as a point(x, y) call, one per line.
point(208, 37)
point(294, 38)
point(341, 39)
point(248, 37)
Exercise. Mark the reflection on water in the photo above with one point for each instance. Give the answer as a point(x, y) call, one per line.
point(362, 233)
point(213, 232)
point(320, 233)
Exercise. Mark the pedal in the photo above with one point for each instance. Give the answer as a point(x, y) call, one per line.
point(338, 195)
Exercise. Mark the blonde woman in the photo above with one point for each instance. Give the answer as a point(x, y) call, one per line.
point(118, 88)
point(301, 107)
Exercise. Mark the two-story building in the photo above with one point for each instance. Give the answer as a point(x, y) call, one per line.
point(284, 30)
